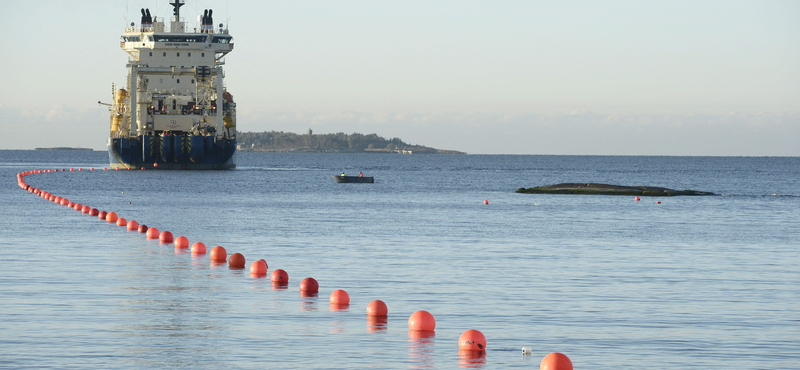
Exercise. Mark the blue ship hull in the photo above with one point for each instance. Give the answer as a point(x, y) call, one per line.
point(172, 152)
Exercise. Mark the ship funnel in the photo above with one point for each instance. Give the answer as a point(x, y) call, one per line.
point(147, 19)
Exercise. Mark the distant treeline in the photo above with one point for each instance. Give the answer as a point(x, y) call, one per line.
point(270, 141)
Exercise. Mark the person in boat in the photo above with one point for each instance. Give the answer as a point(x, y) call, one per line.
point(343, 175)
point(360, 174)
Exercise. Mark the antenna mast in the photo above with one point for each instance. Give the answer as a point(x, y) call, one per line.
point(177, 9)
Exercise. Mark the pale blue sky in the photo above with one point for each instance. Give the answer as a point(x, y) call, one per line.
point(513, 77)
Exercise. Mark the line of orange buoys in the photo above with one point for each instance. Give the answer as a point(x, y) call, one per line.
point(421, 324)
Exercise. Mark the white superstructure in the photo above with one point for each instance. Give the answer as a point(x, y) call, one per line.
point(175, 79)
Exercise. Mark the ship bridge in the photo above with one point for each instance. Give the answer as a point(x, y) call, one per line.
point(152, 43)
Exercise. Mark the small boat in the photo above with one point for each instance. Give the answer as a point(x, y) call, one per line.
point(355, 179)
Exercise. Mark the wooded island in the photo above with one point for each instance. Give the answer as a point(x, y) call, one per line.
point(279, 141)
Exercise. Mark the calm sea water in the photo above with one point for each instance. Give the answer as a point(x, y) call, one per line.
point(691, 283)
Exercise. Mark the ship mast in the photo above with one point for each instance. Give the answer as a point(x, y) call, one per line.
point(177, 26)
point(177, 10)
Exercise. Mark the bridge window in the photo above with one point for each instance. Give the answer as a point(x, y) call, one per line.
point(175, 38)
point(222, 39)
point(179, 54)
point(165, 53)
point(190, 55)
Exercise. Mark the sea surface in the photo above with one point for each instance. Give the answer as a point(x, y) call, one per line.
point(707, 282)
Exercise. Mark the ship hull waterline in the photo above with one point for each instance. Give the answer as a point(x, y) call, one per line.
point(149, 152)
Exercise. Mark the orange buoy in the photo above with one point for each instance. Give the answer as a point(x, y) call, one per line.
point(85, 209)
point(112, 217)
point(218, 254)
point(198, 248)
point(94, 212)
point(133, 225)
point(636, 199)
point(165, 237)
point(486, 201)
point(78, 207)
point(472, 340)
point(105, 168)
point(58, 199)
point(421, 320)
point(310, 285)
point(555, 361)
point(102, 215)
point(659, 202)
point(142, 168)
point(236, 261)
point(279, 276)
point(143, 228)
point(340, 297)
point(122, 222)
point(64, 201)
point(152, 233)
point(265, 262)
point(258, 269)
point(117, 168)
point(181, 242)
point(71, 169)
point(377, 308)
point(80, 169)
point(71, 205)
point(91, 169)
point(155, 164)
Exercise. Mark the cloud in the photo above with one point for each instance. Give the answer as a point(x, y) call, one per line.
point(54, 126)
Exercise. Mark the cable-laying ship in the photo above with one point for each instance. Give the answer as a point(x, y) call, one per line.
point(175, 112)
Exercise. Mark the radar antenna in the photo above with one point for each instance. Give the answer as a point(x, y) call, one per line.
point(177, 11)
